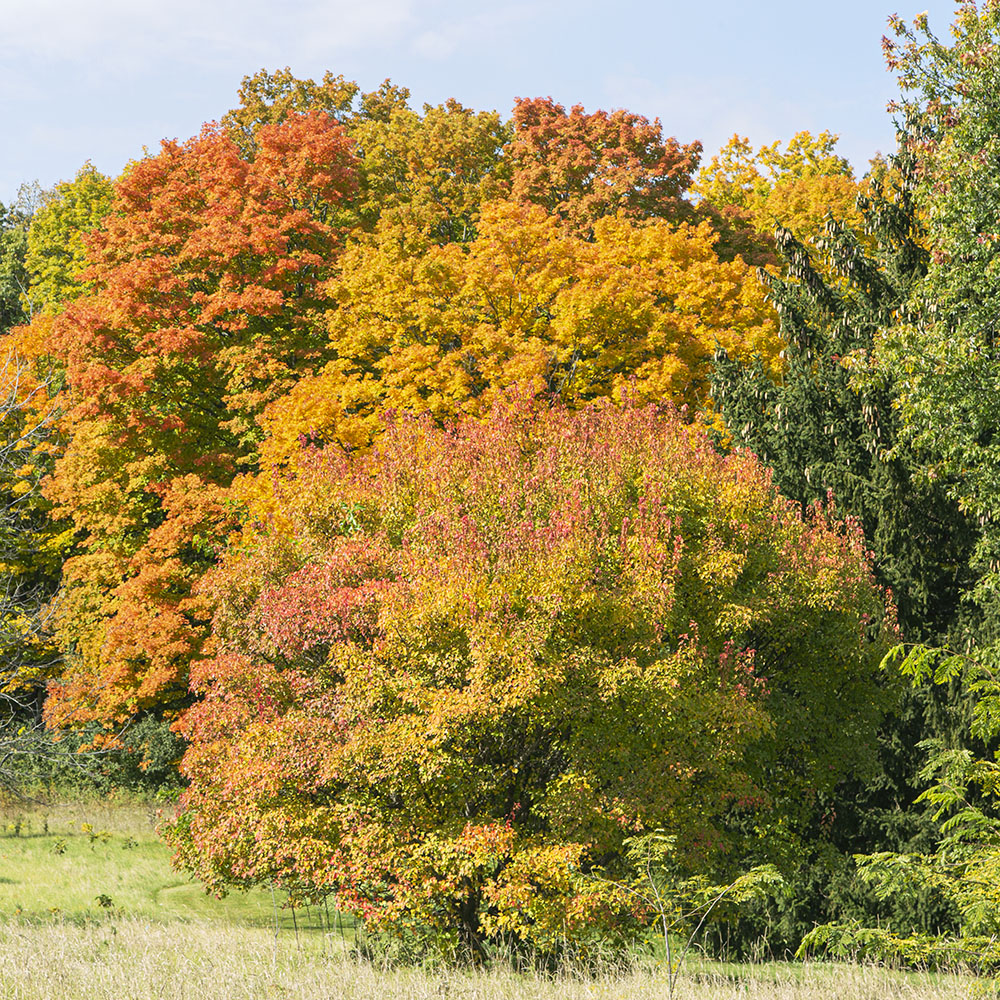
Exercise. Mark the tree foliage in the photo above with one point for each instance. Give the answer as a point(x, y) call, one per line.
point(941, 350)
point(947, 354)
point(451, 653)
point(582, 167)
point(269, 98)
point(963, 865)
point(206, 292)
point(56, 253)
point(747, 192)
point(451, 674)
point(828, 424)
point(432, 172)
point(15, 220)
point(635, 312)
point(323, 255)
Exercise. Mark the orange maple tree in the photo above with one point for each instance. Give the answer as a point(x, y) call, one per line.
point(207, 290)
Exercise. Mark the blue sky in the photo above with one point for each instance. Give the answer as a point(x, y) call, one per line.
point(101, 79)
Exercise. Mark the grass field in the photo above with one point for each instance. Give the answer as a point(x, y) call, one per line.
point(76, 861)
point(90, 909)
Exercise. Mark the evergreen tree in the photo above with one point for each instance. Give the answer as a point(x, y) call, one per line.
point(829, 427)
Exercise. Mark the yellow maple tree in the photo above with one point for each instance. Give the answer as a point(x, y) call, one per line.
point(638, 311)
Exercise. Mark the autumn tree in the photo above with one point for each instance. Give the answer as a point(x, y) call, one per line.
point(433, 171)
point(31, 542)
point(206, 292)
point(635, 312)
point(430, 171)
point(746, 192)
point(580, 166)
point(56, 253)
point(450, 675)
point(268, 98)
point(583, 166)
point(41, 275)
point(30, 553)
point(224, 319)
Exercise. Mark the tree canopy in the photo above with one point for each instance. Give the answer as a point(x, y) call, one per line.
point(482, 496)
point(448, 676)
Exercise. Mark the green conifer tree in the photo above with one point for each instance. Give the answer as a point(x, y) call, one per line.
point(830, 426)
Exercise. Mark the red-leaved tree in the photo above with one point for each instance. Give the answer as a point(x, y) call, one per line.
point(583, 166)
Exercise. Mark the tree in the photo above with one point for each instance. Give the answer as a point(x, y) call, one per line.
point(431, 172)
point(746, 193)
point(14, 222)
point(56, 253)
point(931, 357)
point(451, 674)
point(828, 423)
point(206, 292)
point(963, 865)
point(29, 564)
point(224, 316)
point(946, 353)
point(28, 557)
point(635, 312)
point(44, 250)
point(582, 167)
point(269, 98)
point(682, 904)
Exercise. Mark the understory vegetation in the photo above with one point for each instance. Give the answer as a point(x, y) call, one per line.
point(77, 921)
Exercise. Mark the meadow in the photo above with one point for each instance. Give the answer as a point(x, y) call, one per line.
point(90, 908)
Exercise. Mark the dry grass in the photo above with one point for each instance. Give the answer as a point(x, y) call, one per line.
point(131, 959)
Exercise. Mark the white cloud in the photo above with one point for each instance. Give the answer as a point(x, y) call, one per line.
point(435, 44)
point(344, 24)
point(483, 30)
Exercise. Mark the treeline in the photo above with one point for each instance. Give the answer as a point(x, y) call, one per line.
point(476, 495)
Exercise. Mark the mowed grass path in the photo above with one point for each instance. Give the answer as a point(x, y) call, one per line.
point(90, 909)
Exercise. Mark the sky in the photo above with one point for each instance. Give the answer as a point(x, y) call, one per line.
point(103, 80)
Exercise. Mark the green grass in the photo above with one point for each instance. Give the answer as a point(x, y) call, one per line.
point(75, 861)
